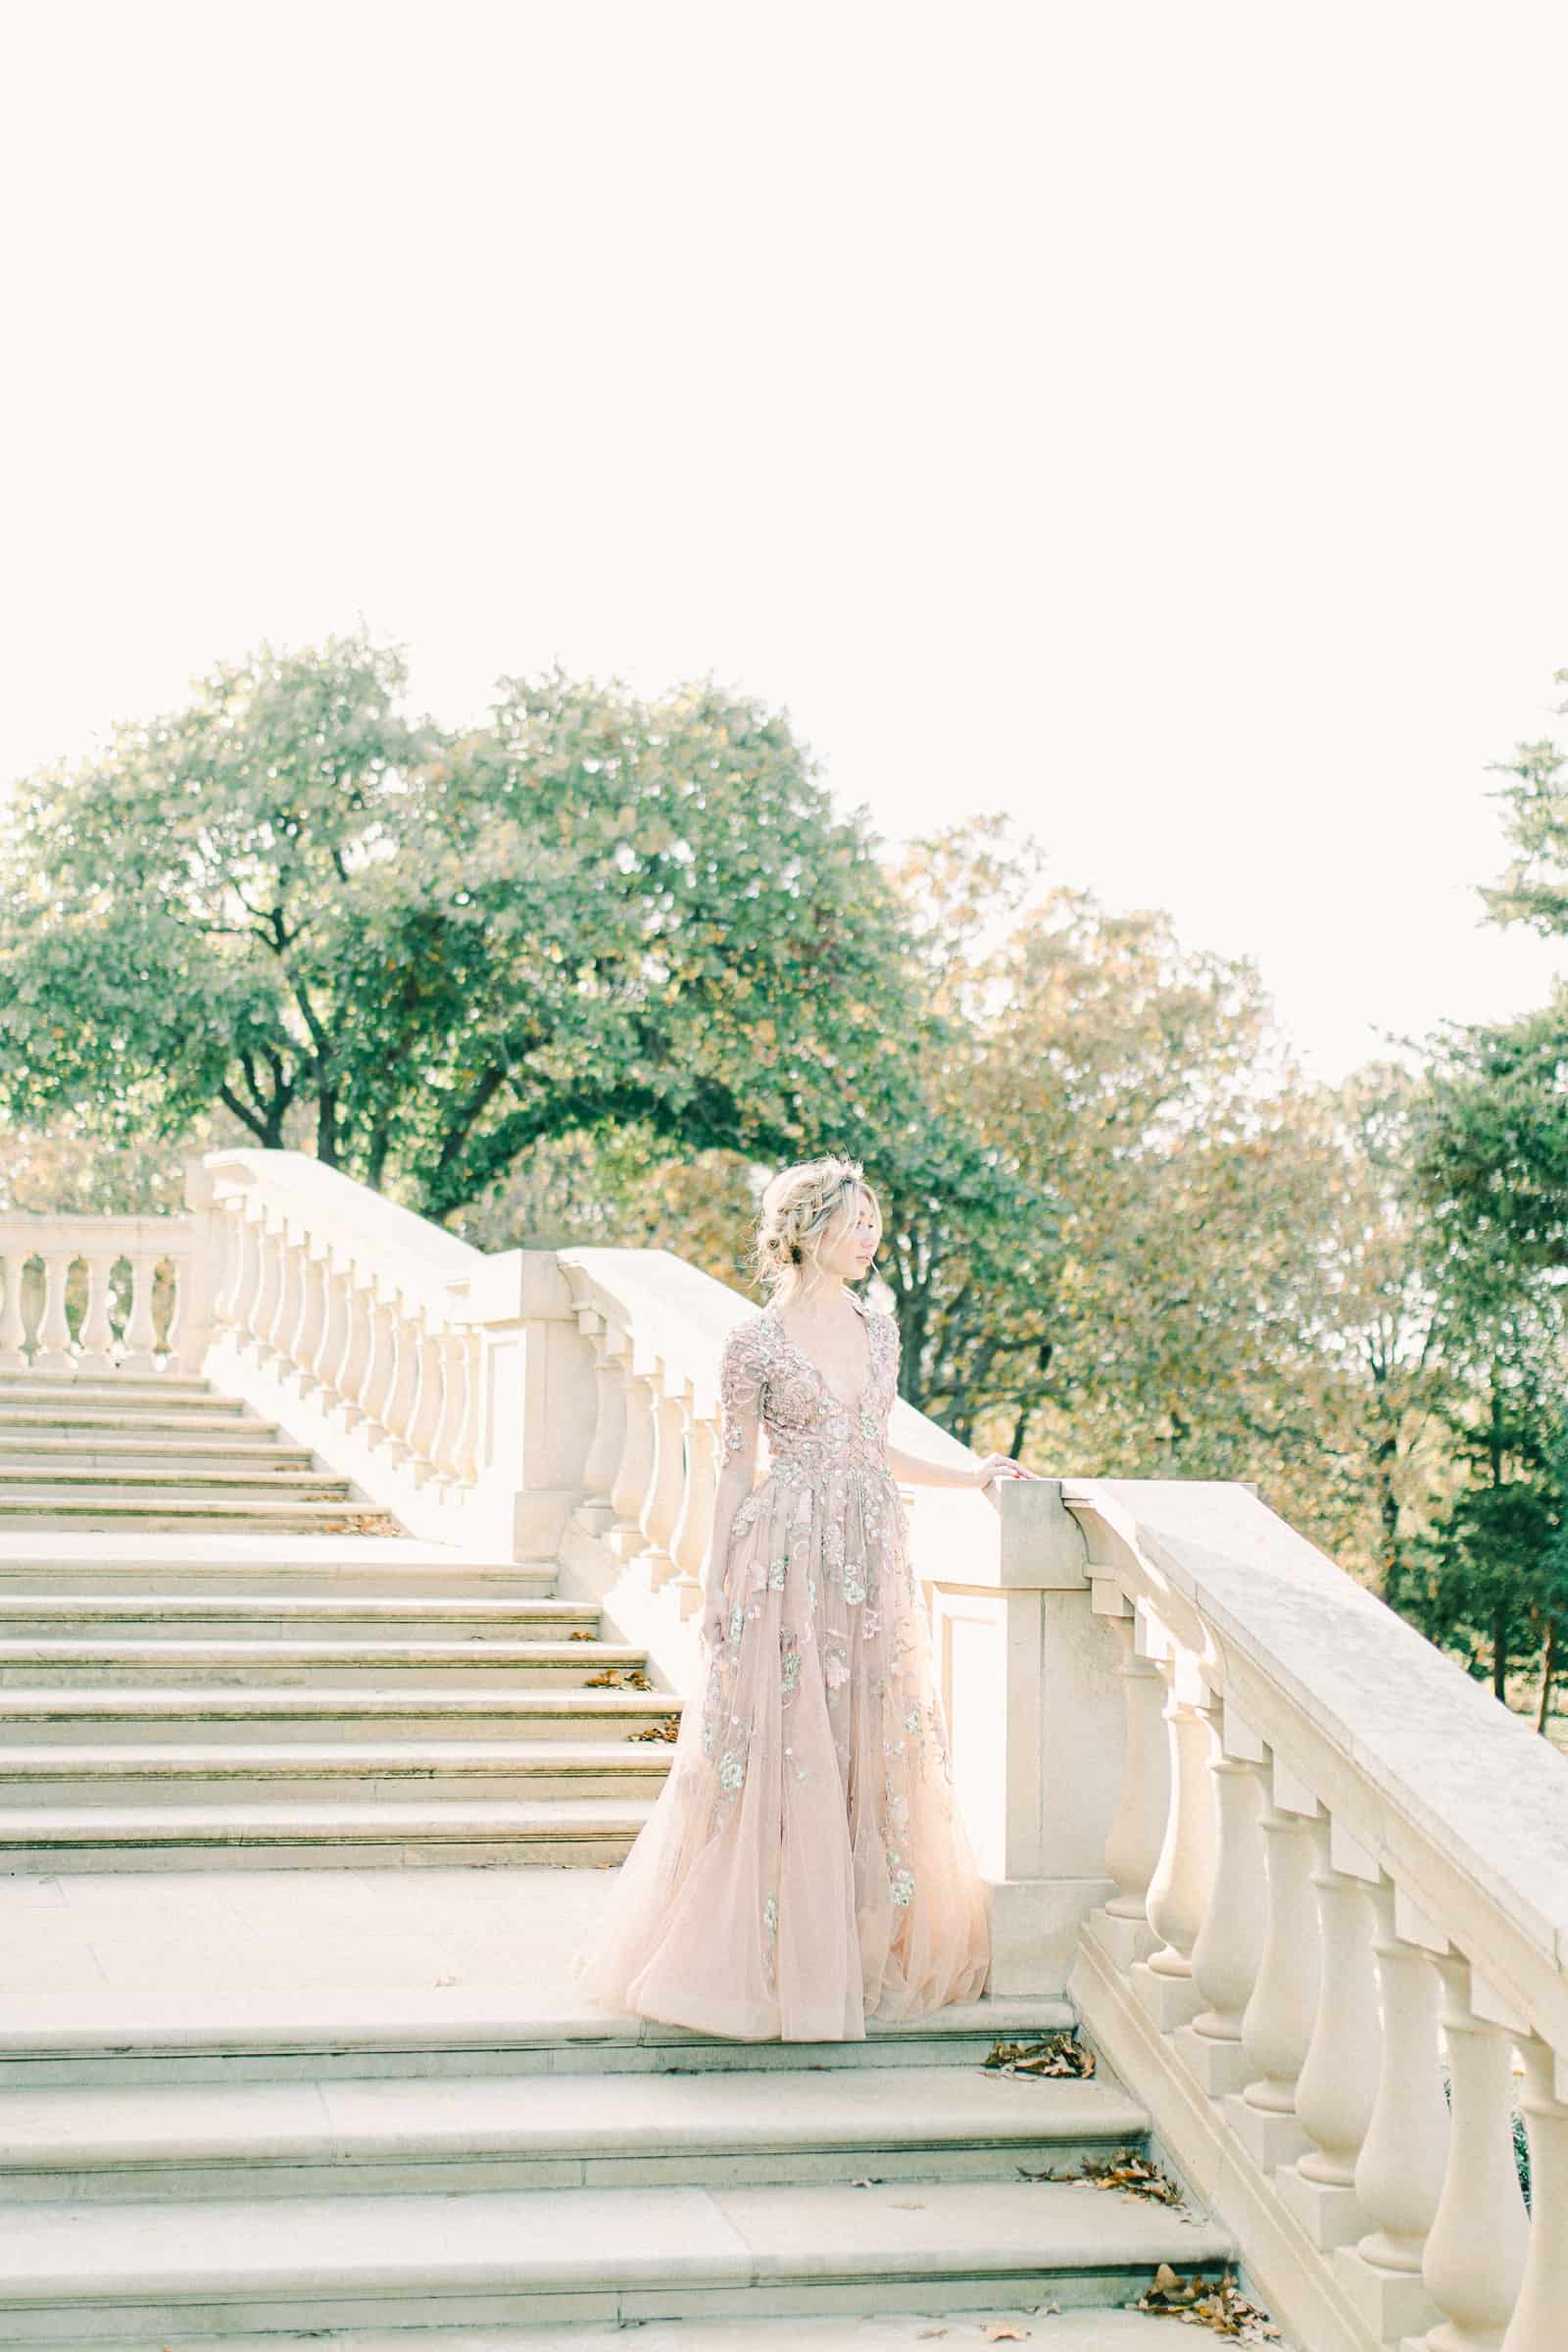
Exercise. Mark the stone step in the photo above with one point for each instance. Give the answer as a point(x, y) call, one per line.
point(62, 1454)
point(203, 1417)
point(216, 1481)
point(474, 1664)
point(77, 1715)
point(250, 2034)
point(156, 1511)
point(78, 2275)
point(297, 1833)
point(121, 1392)
point(261, 1565)
point(487, 2131)
point(292, 1615)
point(218, 1774)
point(1043, 2327)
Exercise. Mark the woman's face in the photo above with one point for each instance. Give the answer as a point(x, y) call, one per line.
point(852, 1240)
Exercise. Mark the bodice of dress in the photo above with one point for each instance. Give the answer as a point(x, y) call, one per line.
point(810, 1429)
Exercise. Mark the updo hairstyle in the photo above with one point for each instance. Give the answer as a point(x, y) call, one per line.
point(801, 1207)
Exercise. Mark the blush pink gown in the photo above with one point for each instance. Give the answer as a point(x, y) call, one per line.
point(805, 1865)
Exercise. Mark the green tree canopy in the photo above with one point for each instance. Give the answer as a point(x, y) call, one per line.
point(292, 900)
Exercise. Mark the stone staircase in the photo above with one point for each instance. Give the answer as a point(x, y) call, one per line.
point(208, 1678)
point(182, 1699)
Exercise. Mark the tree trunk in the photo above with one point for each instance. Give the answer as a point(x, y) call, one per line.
point(1549, 1673)
point(1499, 1652)
point(327, 1127)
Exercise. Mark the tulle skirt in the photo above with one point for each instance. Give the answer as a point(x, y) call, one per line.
point(805, 1866)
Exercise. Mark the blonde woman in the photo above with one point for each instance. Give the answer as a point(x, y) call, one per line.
point(805, 1867)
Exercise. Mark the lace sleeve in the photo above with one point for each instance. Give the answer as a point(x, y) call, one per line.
point(740, 1398)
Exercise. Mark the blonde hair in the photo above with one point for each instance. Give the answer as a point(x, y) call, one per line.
point(801, 1205)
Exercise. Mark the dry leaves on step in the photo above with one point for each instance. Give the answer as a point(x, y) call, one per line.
point(1002, 2332)
point(582, 1634)
point(1219, 2306)
point(1134, 2175)
point(1057, 2054)
point(667, 1727)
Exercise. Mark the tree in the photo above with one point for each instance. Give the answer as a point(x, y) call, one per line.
point(293, 900)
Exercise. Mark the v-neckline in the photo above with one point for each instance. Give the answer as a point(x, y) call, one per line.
point(814, 1368)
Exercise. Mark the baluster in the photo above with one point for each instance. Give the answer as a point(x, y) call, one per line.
point(180, 1280)
point(471, 1447)
point(636, 1462)
point(689, 1543)
point(355, 1366)
point(52, 1348)
point(1337, 2080)
point(1537, 2325)
point(13, 1326)
point(661, 1500)
point(305, 1347)
point(249, 1278)
point(1230, 1943)
point(397, 1412)
point(425, 1423)
point(380, 1369)
point(283, 1321)
point(449, 1438)
point(1277, 2022)
point(1178, 1892)
point(596, 1512)
point(337, 1334)
point(97, 1331)
point(1399, 2174)
point(264, 1304)
point(232, 1232)
point(141, 1328)
point(1475, 2251)
point(1138, 1833)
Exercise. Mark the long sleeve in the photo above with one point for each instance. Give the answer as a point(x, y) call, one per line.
point(739, 1406)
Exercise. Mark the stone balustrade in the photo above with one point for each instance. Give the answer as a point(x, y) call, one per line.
point(1305, 1880)
point(95, 1295)
point(1334, 1962)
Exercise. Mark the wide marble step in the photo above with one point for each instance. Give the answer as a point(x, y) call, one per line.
point(261, 1565)
point(169, 1510)
point(176, 1451)
point(612, 2130)
point(82, 1713)
point(1044, 2326)
point(218, 1481)
point(121, 1392)
point(27, 1615)
point(247, 2034)
point(80, 2274)
point(263, 1659)
point(298, 1833)
point(218, 1774)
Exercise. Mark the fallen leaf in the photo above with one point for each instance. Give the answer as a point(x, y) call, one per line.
point(1002, 2332)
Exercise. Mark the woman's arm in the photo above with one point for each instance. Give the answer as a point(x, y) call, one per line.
point(740, 1396)
point(916, 1470)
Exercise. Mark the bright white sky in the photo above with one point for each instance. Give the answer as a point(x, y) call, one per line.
point(1146, 418)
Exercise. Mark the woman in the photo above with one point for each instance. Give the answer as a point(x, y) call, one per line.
point(805, 1867)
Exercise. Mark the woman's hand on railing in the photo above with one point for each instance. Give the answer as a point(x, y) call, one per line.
point(1000, 1466)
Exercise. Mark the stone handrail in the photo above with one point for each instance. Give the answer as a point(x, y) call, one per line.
point(56, 1320)
point(1335, 1861)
